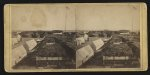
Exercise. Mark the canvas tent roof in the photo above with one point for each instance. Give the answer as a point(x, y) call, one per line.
point(31, 44)
point(18, 54)
point(97, 44)
point(83, 54)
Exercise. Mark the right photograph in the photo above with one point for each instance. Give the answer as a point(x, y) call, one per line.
point(108, 36)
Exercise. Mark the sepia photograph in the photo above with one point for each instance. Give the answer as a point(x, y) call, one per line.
point(75, 37)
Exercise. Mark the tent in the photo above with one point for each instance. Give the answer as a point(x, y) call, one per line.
point(14, 41)
point(18, 54)
point(83, 54)
point(85, 37)
point(31, 44)
point(98, 44)
point(18, 37)
point(80, 40)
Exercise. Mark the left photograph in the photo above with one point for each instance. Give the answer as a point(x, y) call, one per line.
point(40, 39)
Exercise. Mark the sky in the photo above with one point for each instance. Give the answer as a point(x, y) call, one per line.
point(75, 17)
